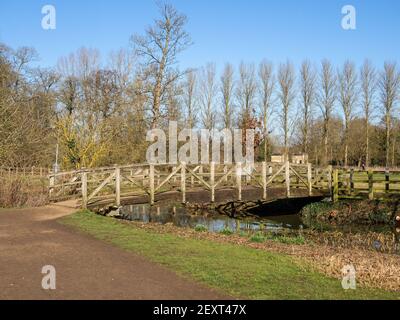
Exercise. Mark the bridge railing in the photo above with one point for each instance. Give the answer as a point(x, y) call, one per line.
point(113, 183)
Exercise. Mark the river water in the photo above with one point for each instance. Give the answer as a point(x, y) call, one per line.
point(178, 216)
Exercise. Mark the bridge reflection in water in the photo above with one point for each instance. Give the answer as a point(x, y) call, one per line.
point(181, 217)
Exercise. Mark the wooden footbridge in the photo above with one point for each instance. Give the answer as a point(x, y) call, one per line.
point(147, 182)
point(210, 183)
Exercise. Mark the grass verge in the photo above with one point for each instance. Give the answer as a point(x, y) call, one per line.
point(236, 270)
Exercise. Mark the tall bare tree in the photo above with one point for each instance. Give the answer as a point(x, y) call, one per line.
point(326, 99)
point(267, 85)
point(246, 93)
point(227, 89)
point(159, 48)
point(189, 97)
point(368, 89)
point(347, 78)
point(308, 91)
point(389, 86)
point(286, 80)
point(208, 91)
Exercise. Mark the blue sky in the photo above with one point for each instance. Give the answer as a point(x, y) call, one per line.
point(222, 30)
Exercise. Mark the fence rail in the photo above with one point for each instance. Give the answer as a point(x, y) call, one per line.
point(24, 171)
point(360, 184)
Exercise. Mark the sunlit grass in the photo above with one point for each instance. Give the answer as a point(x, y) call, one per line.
point(236, 270)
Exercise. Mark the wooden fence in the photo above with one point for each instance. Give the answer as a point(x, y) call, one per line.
point(365, 184)
point(24, 171)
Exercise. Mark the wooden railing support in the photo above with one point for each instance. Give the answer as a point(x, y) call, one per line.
point(370, 185)
point(264, 180)
point(212, 181)
point(387, 181)
point(183, 181)
point(151, 182)
point(287, 178)
point(117, 186)
point(239, 180)
point(84, 190)
point(335, 189)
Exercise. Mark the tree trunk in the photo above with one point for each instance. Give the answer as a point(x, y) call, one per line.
point(387, 140)
point(367, 143)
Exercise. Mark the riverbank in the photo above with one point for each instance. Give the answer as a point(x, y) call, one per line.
point(360, 212)
point(247, 266)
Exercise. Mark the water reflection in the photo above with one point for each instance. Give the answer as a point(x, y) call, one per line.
point(179, 217)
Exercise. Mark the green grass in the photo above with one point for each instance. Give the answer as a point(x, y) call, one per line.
point(260, 237)
point(236, 270)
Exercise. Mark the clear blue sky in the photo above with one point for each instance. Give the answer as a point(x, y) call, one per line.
point(222, 30)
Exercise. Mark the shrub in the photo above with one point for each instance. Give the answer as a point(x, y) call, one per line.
point(258, 237)
point(200, 228)
point(226, 231)
point(22, 191)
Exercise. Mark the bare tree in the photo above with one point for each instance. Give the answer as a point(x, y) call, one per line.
point(307, 88)
point(160, 48)
point(326, 99)
point(246, 93)
point(227, 89)
point(189, 97)
point(347, 97)
point(208, 91)
point(389, 86)
point(267, 80)
point(286, 79)
point(368, 88)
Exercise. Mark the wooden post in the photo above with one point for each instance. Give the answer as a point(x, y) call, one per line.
point(117, 186)
point(264, 179)
point(351, 181)
point(51, 185)
point(84, 190)
point(335, 189)
point(191, 181)
point(239, 180)
point(174, 178)
point(348, 188)
point(225, 171)
point(183, 181)
point(309, 179)
point(41, 172)
point(287, 178)
point(370, 185)
point(248, 171)
point(330, 179)
point(387, 181)
point(151, 182)
point(212, 180)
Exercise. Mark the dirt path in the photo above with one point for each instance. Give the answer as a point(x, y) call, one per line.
point(85, 267)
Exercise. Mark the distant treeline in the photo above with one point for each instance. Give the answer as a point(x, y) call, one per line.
point(98, 112)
